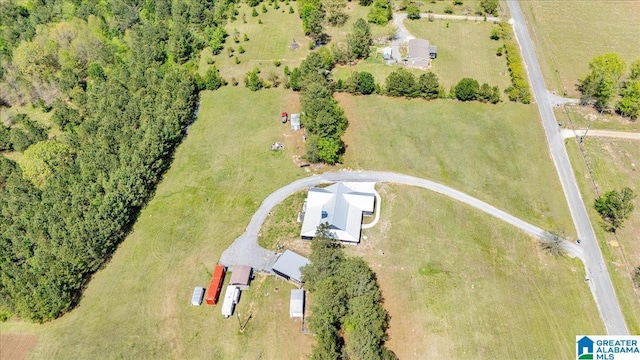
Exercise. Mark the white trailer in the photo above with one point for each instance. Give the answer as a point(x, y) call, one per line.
point(198, 294)
point(231, 297)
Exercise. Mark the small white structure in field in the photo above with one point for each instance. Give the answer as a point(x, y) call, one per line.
point(295, 122)
point(198, 294)
point(231, 297)
point(387, 53)
point(296, 303)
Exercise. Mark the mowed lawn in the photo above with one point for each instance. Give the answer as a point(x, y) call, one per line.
point(461, 284)
point(494, 152)
point(465, 49)
point(569, 34)
point(268, 42)
point(138, 306)
point(614, 163)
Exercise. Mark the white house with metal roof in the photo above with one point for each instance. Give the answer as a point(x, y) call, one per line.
point(339, 206)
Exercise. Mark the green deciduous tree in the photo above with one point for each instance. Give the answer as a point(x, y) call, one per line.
point(629, 105)
point(361, 83)
point(381, 12)
point(489, 6)
point(615, 207)
point(402, 83)
point(413, 11)
point(603, 82)
point(41, 160)
point(467, 89)
point(335, 12)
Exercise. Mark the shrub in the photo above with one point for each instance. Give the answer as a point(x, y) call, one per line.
point(264, 9)
point(413, 12)
point(254, 12)
point(276, 63)
point(291, 11)
point(253, 81)
point(467, 89)
point(448, 10)
point(240, 49)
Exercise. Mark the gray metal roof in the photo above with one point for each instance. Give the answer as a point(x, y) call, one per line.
point(296, 303)
point(290, 263)
point(340, 207)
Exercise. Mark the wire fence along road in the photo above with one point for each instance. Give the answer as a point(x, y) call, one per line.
point(596, 269)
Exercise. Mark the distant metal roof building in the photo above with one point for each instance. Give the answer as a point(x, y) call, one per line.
point(339, 206)
point(288, 266)
point(296, 303)
point(418, 54)
point(241, 276)
point(295, 122)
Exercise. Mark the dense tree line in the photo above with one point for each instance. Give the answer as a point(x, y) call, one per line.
point(605, 83)
point(348, 319)
point(112, 74)
point(323, 119)
point(519, 90)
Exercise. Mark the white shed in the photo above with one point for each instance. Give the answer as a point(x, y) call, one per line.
point(387, 53)
point(198, 294)
point(295, 122)
point(296, 303)
point(231, 297)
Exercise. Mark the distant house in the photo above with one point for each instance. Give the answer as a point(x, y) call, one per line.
point(295, 122)
point(241, 276)
point(419, 55)
point(296, 303)
point(288, 266)
point(387, 53)
point(339, 206)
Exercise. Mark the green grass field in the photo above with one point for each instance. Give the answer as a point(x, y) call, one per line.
point(493, 152)
point(614, 164)
point(569, 34)
point(464, 50)
point(460, 284)
point(268, 41)
point(138, 305)
point(582, 117)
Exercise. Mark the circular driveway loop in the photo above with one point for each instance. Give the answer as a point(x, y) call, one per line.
point(246, 251)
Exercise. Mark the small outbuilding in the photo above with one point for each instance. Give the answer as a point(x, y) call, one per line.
point(387, 53)
point(288, 266)
point(241, 276)
point(296, 303)
point(295, 122)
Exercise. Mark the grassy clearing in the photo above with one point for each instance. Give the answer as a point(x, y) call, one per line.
point(493, 152)
point(464, 50)
point(465, 285)
point(582, 117)
point(281, 227)
point(568, 34)
point(614, 163)
point(138, 305)
point(268, 41)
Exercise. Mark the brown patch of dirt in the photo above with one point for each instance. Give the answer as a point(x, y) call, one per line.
point(16, 346)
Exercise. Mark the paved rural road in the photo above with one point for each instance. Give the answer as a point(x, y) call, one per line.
point(597, 272)
point(246, 251)
point(568, 133)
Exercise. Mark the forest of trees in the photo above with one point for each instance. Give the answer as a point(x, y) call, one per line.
point(118, 77)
